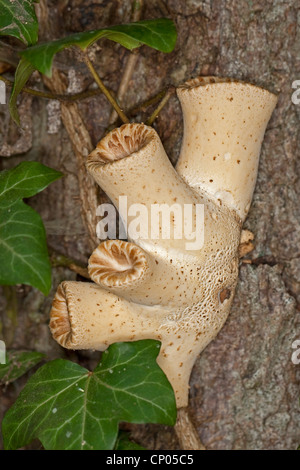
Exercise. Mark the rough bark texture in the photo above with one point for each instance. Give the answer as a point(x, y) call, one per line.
point(244, 387)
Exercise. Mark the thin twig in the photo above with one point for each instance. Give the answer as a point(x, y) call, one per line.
point(124, 83)
point(60, 260)
point(104, 90)
point(186, 432)
point(161, 105)
point(145, 104)
point(139, 108)
point(53, 96)
point(131, 62)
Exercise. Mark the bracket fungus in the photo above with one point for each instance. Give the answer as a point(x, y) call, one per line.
point(154, 287)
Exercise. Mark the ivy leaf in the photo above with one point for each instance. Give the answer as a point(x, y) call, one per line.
point(69, 408)
point(124, 443)
point(23, 73)
point(159, 34)
point(23, 249)
point(18, 19)
point(25, 180)
point(18, 363)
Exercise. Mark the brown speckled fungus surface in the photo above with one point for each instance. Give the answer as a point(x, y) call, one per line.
point(156, 288)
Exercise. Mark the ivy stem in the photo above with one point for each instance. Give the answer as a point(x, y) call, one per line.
point(52, 96)
point(142, 107)
point(104, 89)
point(145, 104)
point(58, 259)
point(170, 92)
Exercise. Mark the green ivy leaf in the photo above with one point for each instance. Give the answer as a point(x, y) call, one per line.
point(23, 249)
point(159, 34)
point(124, 443)
point(18, 19)
point(23, 73)
point(69, 408)
point(18, 363)
point(24, 181)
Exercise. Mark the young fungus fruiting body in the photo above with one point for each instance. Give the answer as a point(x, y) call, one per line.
point(154, 287)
